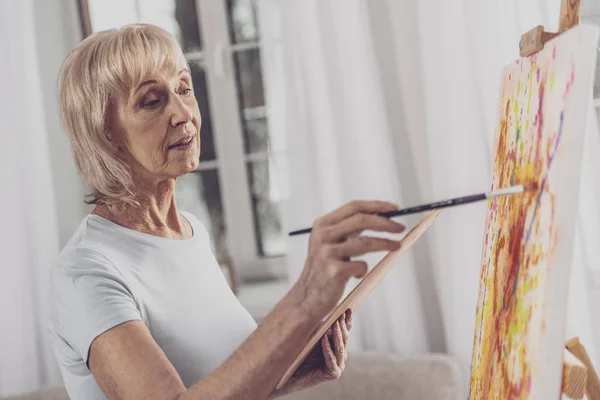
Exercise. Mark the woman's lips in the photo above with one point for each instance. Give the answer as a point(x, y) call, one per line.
point(183, 144)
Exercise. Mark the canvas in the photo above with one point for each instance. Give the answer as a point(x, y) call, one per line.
point(527, 248)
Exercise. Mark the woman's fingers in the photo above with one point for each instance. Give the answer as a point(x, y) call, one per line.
point(355, 207)
point(328, 354)
point(348, 315)
point(345, 334)
point(328, 264)
point(344, 328)
point(338, 344)
point(355, 269)
point(358, 223)
point(361, 245)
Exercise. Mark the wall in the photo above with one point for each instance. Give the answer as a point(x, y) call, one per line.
point(57, 32)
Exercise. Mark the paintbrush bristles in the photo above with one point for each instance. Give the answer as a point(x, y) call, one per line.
point(531, 186)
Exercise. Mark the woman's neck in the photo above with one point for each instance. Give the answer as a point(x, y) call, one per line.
point(156, 214)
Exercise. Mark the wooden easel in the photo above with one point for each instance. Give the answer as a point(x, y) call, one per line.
point(579, 378)
point(534, 40)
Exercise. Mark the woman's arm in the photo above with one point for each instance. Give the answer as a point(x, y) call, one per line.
point(127, 363)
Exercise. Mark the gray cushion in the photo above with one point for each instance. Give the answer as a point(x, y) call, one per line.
point(367, 376)
point(386, 377)
point(57, 393)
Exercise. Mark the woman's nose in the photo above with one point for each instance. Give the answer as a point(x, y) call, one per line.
point(180, 113)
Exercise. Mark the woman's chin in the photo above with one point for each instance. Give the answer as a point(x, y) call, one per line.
point(190, 166)
point(182, 167)
point(185, 165)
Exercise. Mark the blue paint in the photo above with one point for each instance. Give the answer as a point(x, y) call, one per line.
point(537, 203)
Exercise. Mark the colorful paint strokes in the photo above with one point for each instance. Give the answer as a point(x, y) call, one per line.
point(521, 310)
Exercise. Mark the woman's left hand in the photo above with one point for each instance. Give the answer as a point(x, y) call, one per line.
point(326, 361)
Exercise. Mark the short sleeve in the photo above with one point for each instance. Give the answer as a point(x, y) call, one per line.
point(94, 298)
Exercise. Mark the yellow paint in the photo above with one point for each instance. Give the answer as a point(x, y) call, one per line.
point(507, 321)
point(530, 89)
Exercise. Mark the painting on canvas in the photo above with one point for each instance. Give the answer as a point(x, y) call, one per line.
point(521, 310)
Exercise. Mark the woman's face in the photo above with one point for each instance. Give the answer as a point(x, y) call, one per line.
point(160, 124)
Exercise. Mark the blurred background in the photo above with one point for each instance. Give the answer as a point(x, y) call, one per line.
point(306, 104)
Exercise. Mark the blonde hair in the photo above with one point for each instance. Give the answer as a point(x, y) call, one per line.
point(105, 65)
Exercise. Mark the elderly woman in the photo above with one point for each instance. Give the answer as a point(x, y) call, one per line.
point(141, 309)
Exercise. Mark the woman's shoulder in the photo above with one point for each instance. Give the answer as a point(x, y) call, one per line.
point(85, 272)
point(86, 250)
point(83, 263)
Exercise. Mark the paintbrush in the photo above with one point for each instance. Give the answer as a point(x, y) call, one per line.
point(527, 187)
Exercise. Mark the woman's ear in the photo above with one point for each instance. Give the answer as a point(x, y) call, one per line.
point(111, 125)
point(113, 141)
point(112, 137)
point(112, 134)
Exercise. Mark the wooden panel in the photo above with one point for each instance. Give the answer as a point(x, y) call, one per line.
point(569, 14)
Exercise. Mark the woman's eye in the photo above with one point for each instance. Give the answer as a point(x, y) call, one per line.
point(150, 103)
point(186, 91)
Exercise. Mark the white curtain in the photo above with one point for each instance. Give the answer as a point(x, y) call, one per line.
point(335, 120)
point(28, 235)
point(396, 100)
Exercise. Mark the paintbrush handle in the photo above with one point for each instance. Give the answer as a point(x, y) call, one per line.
point(531, 186)
point(434, 206)
point(418, 209)
point(300, 232)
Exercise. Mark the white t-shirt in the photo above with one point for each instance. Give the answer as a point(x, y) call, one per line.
point(108, 274)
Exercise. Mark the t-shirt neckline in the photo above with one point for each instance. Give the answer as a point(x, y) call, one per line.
point(110, 224)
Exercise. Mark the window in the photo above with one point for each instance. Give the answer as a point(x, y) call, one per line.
point(234, 191)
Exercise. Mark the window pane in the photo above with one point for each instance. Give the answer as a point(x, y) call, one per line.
point(266, 199)
point(249, 78)
point(242, 20)
point(179, 17)
point(252, 100)
point(207, 144)
point(186, 16)
point(199, 193)
point(256, 136)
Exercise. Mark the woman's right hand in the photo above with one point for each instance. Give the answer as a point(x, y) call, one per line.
point(334, 240)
